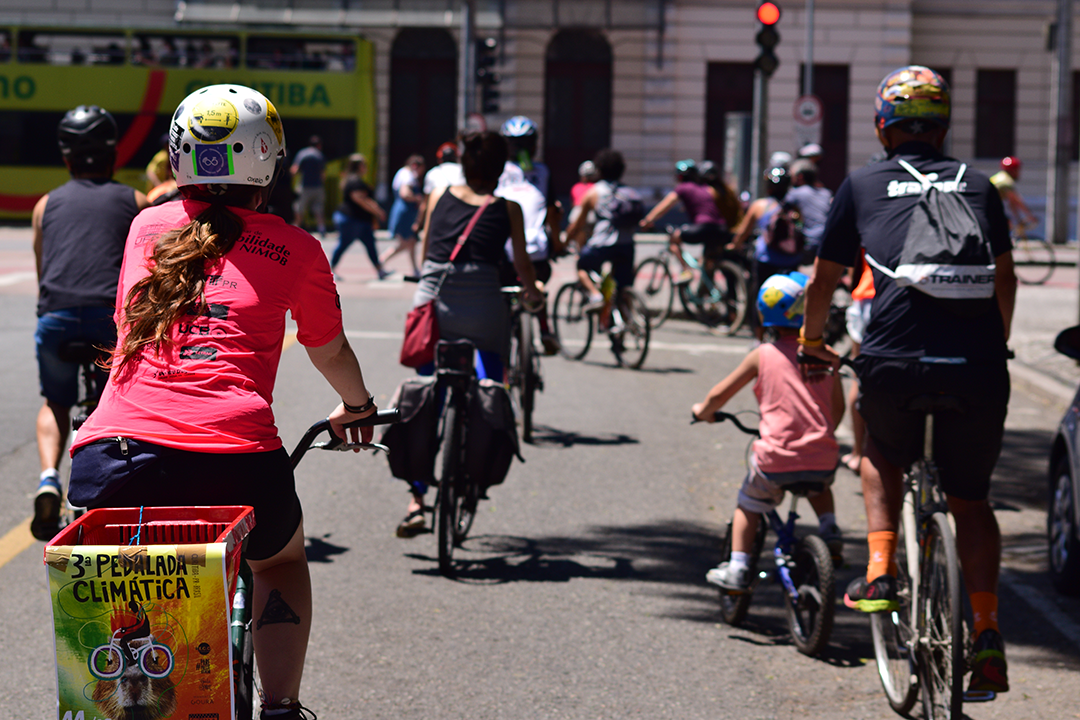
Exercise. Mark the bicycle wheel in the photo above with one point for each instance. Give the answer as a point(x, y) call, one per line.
point(1034, 260)
point(894, 638)
point(631, 344)
point(465, 499)
point(811, 618)
point(941, 650)
point(105, 662)
point(652, 278)
point(243, 669)
point(572, 325)
point(734, 605)
point(447, 502)
point(527, 366)
point(718, 300)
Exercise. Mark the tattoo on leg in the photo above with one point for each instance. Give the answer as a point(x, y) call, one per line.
point(277, 611)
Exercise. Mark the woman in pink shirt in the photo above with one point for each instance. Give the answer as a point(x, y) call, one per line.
point(186, 416)
point(797, 427)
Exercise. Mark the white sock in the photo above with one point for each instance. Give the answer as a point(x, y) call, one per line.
point(739, 560)
point(825, 520)
point(50, 473)
point(596, 297)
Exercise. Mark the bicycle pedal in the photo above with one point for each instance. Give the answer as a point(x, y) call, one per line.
point(977, 696)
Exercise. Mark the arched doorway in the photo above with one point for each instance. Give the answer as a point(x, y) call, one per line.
point(577, 110)
point(423, 93)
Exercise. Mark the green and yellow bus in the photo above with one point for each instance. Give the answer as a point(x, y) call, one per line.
point(321, 84)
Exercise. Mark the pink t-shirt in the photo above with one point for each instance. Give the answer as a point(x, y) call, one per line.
point(210, 390)
point(796, 417)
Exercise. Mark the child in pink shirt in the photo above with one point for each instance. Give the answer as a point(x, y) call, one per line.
point(798, 420)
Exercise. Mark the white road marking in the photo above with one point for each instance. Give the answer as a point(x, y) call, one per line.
point(16, 278)
point(1061, 622)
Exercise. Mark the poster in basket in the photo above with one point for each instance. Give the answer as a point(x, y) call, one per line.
point(142, 632)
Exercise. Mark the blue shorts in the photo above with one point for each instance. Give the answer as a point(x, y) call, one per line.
point(402, 216)
point(60, 379)
point(621, 258)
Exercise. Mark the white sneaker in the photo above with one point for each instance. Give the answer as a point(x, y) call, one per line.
point(725, 577)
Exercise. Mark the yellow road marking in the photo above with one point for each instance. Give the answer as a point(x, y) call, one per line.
point(16, 540)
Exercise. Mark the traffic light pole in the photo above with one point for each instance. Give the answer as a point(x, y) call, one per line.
point(759, 133)
point(466, 68)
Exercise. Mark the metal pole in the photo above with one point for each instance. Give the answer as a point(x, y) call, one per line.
point(1057, 190)
point(759, 132)
point(808, 71)
point(466, 74)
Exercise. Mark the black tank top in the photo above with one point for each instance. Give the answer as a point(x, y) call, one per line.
point(486, 241)
point(83, 230)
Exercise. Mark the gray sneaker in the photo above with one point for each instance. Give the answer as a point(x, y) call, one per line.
point(729, 579)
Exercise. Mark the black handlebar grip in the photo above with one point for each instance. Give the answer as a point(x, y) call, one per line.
point(382, 417)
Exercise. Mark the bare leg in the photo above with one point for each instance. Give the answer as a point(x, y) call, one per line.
point(823, 503)
point(978, 542)
point(53, 423)
point(399, 245)
point(675, 245)
point(882, 485)
point(282, 616)
point(743, 528)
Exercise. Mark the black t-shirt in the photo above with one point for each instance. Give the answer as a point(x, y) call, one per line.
point(348, 206)
point(872, 209)
point(449, 219)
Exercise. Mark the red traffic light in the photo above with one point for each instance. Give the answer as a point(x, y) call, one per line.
point(768, 13)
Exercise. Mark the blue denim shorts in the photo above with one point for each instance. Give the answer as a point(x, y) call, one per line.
point(60, 379)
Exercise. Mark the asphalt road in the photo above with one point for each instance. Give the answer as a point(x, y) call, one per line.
point(581, 594)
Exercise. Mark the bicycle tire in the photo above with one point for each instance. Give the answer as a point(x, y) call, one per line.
point(631, 344)
point(466, 500)
point(1034, 260)
point(941, 650)
point(652, 278)
point(894, 638)
point(243, 669)
point(719, 301)
point(447, 504)
point(113, 666)
point(527, 366)
point(735, 605)
point(572, 325)
point(811, 619)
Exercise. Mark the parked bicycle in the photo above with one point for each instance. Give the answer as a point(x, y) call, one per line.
point(717, 298)
point(802, 565)
point(624, 319)
point(1033, 256)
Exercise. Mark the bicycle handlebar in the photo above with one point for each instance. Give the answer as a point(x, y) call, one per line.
point(382, 417)
point(721, 416)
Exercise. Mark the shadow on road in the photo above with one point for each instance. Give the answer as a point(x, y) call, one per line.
point(1022, 472)
point(545, 435)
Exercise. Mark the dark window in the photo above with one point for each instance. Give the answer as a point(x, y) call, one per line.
point(423, 94)
point(995, 113)
point(577, 109)
point(832, 88)
point(168, 50)
point(70, 48)
point(300, 53)
point(729, 88)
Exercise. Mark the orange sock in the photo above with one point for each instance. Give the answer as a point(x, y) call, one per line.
point(882, 550)
point(984, 607)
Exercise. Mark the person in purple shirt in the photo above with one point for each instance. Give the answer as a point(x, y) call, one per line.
point(707, 225)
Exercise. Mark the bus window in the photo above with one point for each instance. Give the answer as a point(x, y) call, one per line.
point(208, 51)
point(70, 48)
point(282, 53)
point(5, 46)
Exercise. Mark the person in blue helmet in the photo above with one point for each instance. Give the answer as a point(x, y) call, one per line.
point(798, 423)
point(521, 136)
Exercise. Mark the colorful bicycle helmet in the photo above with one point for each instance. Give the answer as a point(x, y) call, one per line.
point(1011, 165)
point(447, 152)
point(226, 135)
point(518, 126)
point(912, 93)
point(587, 170)
point(780, 300)
point(687, 170)
point(87, 132)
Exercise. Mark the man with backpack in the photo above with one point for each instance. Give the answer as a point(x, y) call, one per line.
point(619, 209)
point(936, 236)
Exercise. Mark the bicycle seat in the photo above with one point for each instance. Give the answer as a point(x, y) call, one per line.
point(805, 487)
point(933, 402)
point(80, 351)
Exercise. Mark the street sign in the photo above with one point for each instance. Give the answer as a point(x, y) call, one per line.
point(808, 116)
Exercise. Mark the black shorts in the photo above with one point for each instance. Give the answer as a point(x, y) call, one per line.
point(707, 234)
point(262, 480)
point(621, 258)
point(967, 443)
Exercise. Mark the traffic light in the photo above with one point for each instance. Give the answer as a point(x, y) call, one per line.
point(487, 80)
point(768, 14)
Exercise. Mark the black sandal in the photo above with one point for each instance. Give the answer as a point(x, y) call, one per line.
point(412, 525)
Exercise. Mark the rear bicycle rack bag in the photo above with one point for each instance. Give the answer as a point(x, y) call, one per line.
point(141, 600)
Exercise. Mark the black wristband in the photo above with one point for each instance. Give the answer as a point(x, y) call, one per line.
point(363, 408)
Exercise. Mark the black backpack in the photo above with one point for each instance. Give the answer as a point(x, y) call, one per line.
point(624, 208)
point(945, 253)
point(414, 441)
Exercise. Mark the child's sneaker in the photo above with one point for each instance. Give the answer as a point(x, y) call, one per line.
point(989, 671)
point(46, 522)
point(728, 578)
point(872, 597)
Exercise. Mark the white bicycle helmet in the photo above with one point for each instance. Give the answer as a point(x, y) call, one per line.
point(518, 126)
point(225, 135)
